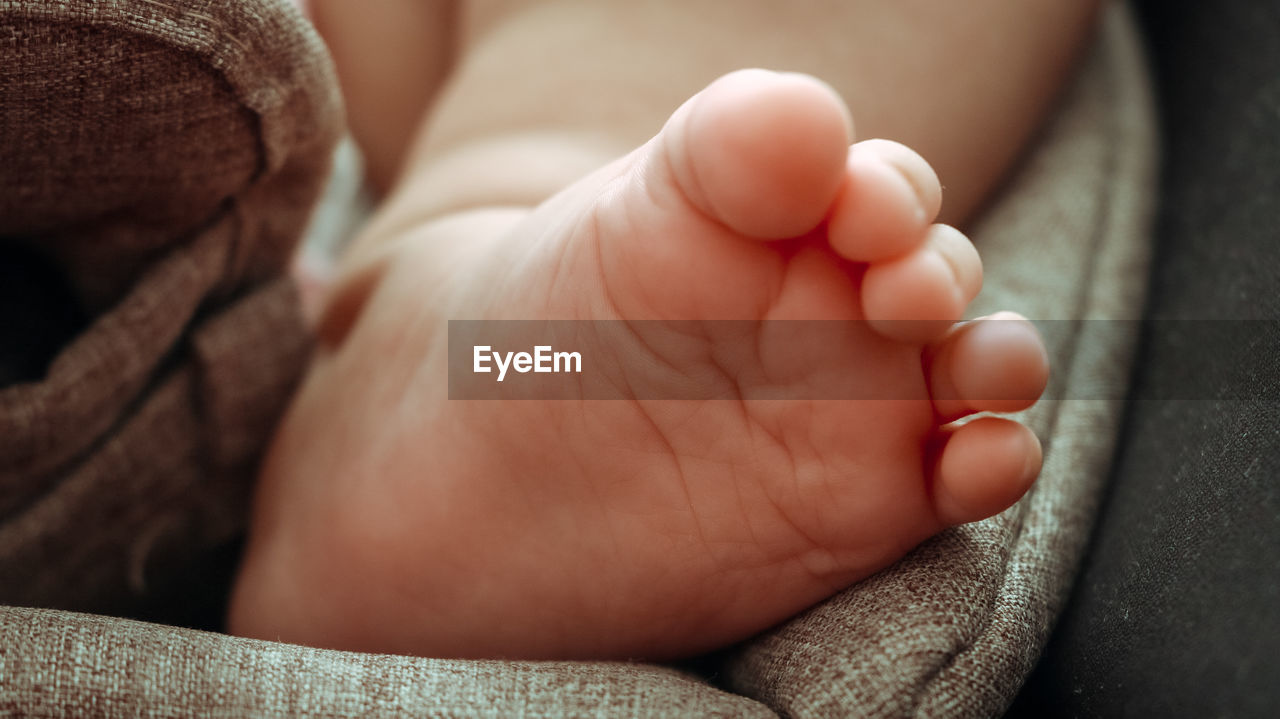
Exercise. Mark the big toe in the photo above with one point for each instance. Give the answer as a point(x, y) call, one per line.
point(760, 152)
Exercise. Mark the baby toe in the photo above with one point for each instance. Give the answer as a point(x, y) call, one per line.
point(917, 297)
point(984, 467)
point(995, 364)
point(889, 197)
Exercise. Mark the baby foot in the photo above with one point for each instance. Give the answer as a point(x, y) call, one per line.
point(391, 518)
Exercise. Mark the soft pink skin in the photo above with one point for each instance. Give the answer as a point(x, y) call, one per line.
point(391, 519)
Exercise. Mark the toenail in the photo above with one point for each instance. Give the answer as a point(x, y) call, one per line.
point(1029, 332)
point(920, 216)
point(1033, 456)
point(947, 241)
point(915, 171)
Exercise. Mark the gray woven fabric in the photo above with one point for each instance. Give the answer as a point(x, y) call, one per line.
point(133, 449)
point(954, 628)
point(120, 668)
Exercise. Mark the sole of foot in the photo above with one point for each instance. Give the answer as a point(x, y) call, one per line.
point(390, 518)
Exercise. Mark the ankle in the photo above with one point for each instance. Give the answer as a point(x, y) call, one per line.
point(519, 169)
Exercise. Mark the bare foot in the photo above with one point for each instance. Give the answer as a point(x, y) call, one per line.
point(393, 519)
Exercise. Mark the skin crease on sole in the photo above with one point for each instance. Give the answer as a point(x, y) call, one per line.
point(392, 519)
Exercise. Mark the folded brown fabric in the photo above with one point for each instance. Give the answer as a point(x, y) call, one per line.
point(163, 157)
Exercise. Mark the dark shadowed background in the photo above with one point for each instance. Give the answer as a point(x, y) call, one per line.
point(1177, 610)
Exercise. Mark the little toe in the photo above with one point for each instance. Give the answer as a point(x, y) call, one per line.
point(760, 152)
point(994, 364)
point(916, 298)
point(984, 467)
point(889, 197)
